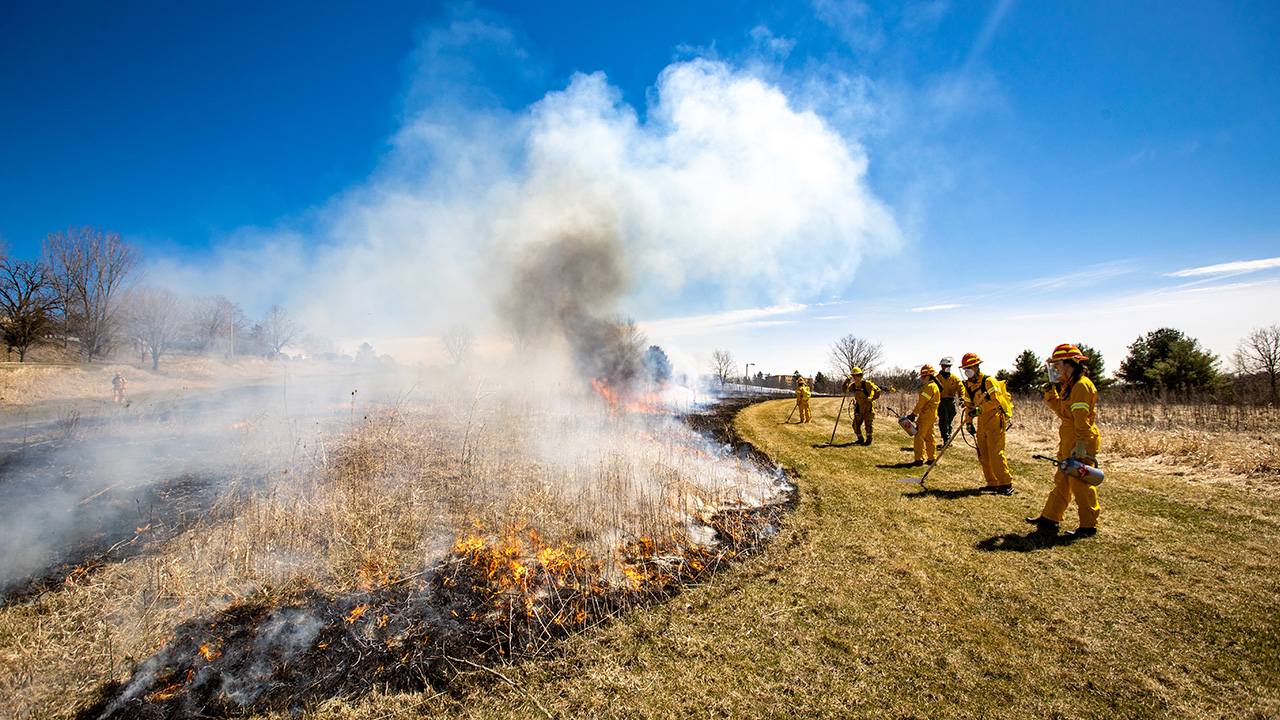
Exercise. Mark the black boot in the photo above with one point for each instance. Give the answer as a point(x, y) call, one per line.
point(1043, 522)
point(868, 442)
point(860, 441)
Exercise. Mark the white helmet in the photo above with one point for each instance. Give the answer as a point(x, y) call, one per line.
point(945, 362)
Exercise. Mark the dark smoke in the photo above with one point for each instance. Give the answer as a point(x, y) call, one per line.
point(564, 290)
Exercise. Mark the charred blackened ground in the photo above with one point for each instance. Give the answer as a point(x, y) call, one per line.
point(493, 599)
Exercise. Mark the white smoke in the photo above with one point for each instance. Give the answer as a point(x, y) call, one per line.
point(721, 192)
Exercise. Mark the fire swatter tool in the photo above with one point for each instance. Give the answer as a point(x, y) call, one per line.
point(937, 458)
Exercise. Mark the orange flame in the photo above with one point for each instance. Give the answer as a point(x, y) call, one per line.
point(210, 653)
point(356, 613)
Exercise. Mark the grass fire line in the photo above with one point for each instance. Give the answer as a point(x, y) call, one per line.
point(302, 593)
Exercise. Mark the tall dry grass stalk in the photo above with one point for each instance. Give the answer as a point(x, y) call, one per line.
point(384, 501)
point(1234, 439)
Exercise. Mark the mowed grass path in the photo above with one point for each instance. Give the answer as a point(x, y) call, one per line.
point(883, 600)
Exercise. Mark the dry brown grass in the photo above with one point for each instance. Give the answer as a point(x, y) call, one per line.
point(1223, 443)
point(33, 386)
point(386, 501)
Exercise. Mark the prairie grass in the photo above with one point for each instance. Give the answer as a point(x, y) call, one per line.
point(1222, 440)
point(885, 600)
point(385, 500)
point(877, 599)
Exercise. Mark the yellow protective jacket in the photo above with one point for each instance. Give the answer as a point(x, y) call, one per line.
point(1077, 407)
point(926, 410)
point(977, 393)
point(951, 384)
point(803, 393)
point(864, 394)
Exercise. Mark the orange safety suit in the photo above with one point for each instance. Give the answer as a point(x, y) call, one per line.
point(982, 409)
point(864, 394)
point(802, 400)
point(1076, 404)
point(926, 412)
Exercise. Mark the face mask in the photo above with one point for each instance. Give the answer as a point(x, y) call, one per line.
point(969, 373)
point(1054, 375)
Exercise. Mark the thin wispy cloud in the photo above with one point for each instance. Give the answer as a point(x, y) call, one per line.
point(728, 320)
point(989, 30)
point(1231, 268)
point(931, 308)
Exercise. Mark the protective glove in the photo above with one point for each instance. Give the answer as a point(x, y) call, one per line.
point(1050, 391)
point(912, 417)
point(971, 429)
point(1079, 453)
point(976, 412)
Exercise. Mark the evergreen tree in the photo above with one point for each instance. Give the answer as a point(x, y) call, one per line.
point(1029, 373)
point(656, 365)
point(1168, 359)
point(1097, 366)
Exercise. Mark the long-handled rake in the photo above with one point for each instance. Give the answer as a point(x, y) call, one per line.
point(937, 459)
point(793, 412)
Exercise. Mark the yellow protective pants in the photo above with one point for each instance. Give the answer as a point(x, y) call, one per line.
point(864, 416)
point(1066, 486)
point(926, 426)
point(990, 442)
point(804, 410)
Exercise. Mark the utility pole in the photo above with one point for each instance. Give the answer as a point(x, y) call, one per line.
point(746, 374)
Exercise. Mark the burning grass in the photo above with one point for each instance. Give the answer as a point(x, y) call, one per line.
point(435, 535)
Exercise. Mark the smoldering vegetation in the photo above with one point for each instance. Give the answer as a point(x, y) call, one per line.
point(454, 525)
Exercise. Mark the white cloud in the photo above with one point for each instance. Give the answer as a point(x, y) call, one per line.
point(1231, 268)
point(932, 308)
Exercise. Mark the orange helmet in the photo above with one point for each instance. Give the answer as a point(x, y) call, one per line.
point(1066, 351)
point(926, 370)
point(969, 360)
point(802, 381)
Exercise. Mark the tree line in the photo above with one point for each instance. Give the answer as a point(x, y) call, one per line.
point(1161, 361)
point(85, 293)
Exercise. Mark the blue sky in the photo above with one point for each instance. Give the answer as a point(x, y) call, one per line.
point(943, 177)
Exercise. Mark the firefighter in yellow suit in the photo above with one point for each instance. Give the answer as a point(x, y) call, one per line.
point(952, 392)
point(982, 409)
point(802, 399)
point(1072, 395)
point(925, 415)
point(864, 394)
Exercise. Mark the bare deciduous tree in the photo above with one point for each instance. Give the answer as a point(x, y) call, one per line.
point(459, 341)
point(278, 328)
point(91, 268)
point(29, 301)
point(158, 320)
point(217, 321)
point(851, 351)
point(723, 365)
point(1259, 352)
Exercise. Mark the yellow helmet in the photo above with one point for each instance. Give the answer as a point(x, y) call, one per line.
point(856, 370)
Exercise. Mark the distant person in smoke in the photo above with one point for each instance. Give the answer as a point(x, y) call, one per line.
point(864, 394)
point(802, 399)
point(952, 391)
point(118, 384)
point(1074, 398)
point(987, 421)
point(925, 415)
